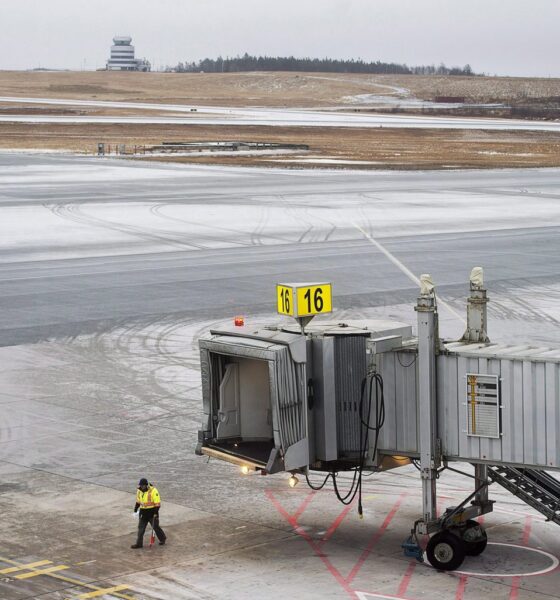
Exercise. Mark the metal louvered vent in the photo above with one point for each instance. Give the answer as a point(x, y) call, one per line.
point(350, 370)
point(483, 405)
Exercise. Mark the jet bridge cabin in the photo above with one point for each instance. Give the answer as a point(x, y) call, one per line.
point(276, 400)
point(254, 399)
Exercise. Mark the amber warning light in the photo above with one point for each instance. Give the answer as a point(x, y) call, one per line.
point(239, 321)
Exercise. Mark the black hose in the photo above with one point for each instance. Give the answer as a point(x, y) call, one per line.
point(367, 390)
point(315, 487)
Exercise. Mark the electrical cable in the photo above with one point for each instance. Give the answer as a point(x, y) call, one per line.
point(369, 383)
point(351, 493)
point(409, 364)
point(313, 487)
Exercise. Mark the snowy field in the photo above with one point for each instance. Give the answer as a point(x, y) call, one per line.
point(62, 216)
point(286, 117)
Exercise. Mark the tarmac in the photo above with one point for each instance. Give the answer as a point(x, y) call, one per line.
point(102, 298)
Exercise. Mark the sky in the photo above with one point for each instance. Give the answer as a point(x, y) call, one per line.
point(505, 37)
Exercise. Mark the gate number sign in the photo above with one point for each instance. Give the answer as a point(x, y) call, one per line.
point(304, 299)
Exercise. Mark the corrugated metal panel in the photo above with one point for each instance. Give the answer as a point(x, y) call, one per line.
point(390, 379)
point(512, 411)
point(400, 431)
point(406, 402)
point(499, 351)
point(530, 409)
point(350, 370)
point(448, 410)
point(552, 376)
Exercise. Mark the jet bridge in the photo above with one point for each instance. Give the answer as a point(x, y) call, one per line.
point(368, 396)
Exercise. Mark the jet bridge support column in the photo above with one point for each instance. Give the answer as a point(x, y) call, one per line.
point(429, 450)
point(481, 485)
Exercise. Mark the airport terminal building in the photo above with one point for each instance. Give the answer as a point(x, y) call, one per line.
point(122, 56)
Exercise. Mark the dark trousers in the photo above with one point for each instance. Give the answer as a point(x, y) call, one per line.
point(149, 516)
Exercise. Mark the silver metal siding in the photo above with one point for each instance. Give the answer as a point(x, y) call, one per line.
point(512, 411)
point(539, 410)
point(400, 432)
point(552, 378)
point(448, 406)
point(490, 446)
point(406, 402)
point(390, 393)
point(530, 414)
point(529, 433)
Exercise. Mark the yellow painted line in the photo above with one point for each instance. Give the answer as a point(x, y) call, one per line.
point(40, 563)
point(42, 572)
point(118, 588)
point(75, 582)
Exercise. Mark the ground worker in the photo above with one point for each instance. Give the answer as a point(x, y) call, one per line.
point(148, 501)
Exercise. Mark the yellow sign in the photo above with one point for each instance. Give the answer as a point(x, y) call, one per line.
point(285, 297)
point(304, 300)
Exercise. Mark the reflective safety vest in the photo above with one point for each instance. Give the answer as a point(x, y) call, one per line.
point(149, 498)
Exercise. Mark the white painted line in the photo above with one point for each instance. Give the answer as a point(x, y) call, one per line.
point(405, 270)
point(368, 595)
point(553, 560)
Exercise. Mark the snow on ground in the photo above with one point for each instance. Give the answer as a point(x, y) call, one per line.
point(65, 222)
point(327, 161)
point(269, 117)
point(412, 103)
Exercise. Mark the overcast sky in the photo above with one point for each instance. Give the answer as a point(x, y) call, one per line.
point(507, 37)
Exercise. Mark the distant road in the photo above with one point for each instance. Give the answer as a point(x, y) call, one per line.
point(285, 117)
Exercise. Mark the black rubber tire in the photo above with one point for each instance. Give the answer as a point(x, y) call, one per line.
point(445, 551)
point(477, 547)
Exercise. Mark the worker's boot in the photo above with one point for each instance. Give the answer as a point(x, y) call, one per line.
point(135, 546)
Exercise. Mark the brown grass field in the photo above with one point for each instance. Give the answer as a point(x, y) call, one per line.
point(379, 148)
point(266, 89)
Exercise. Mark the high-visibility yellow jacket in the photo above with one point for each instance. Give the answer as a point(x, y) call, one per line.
point(148, 499)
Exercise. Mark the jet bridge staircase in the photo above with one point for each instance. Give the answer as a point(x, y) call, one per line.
point(536, 488)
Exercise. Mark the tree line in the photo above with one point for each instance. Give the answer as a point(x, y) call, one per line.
point(291, 63)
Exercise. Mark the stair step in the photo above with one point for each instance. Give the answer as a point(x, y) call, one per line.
point(539, 490)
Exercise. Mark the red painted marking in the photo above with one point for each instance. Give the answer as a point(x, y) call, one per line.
point(337, 522)
point(331, 568)
point(280, 508)
point(303, 505)
point(375, 539)
point(344, 582)
point(459, 594)
point(516, 581)
point(406, 579)
point(527, 530)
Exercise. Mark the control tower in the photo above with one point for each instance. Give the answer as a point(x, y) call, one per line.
point(122, 56)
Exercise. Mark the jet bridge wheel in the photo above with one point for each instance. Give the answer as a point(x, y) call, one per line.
point(474, 538)
point(446, 551)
